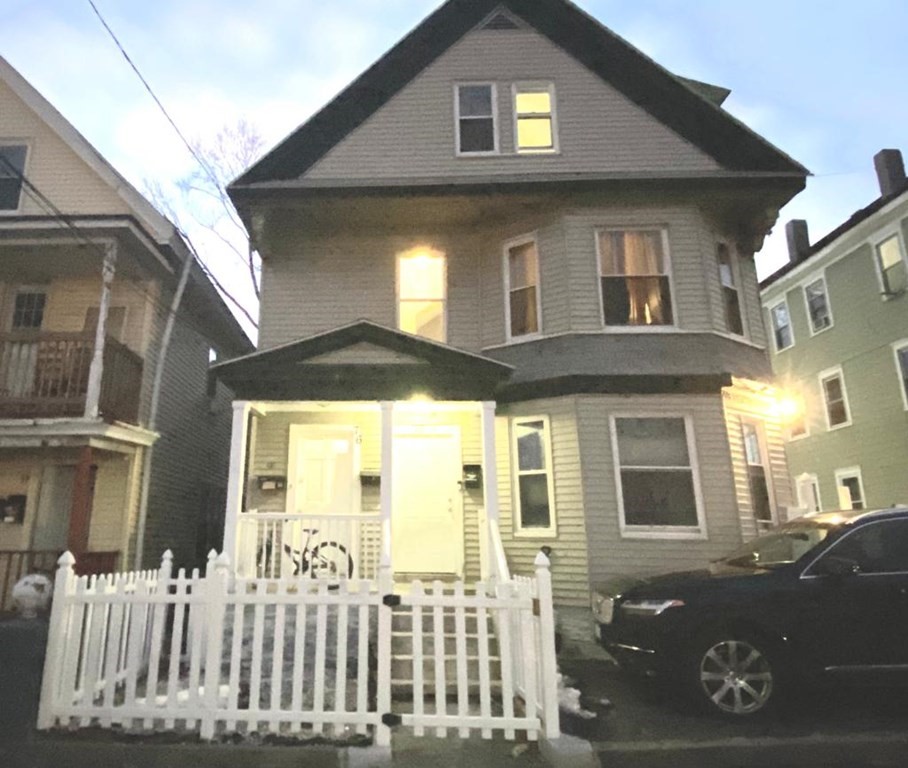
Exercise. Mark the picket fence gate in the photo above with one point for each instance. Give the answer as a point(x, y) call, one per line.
point(218, 654)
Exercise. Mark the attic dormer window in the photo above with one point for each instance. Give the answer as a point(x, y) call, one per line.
point(477, 129)
point(12, 166)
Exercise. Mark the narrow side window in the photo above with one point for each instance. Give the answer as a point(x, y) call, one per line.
point(522, 284)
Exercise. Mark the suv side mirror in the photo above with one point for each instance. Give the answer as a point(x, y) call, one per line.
point(831, 565)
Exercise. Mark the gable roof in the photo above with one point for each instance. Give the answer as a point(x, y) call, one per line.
point(667, 98)
point(213, 312)
point(858, 217)
point(301, 371)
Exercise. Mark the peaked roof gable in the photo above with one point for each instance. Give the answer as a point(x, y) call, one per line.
point(644, 82)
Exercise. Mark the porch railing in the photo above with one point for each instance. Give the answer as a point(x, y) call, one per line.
point(46, 375)
point(14, 564)
point(275, 545)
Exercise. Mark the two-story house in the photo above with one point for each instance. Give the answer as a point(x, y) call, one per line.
point(510, 303)
point(838, 313)
point(109, 441)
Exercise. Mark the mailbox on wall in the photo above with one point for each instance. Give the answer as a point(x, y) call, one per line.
point(472, 476)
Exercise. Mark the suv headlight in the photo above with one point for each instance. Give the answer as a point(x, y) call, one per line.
point(650, 607)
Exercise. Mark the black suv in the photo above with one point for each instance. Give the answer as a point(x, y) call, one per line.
point(824, 595)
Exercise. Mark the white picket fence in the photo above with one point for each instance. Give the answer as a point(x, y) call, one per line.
point(221, 654)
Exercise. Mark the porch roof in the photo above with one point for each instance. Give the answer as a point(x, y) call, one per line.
point(387, 365)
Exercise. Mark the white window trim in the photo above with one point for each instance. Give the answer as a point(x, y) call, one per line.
point(844, 474)
point(803, 288)
point(828, 374)
point(877, 240)
point(535, 86)
point(22, 195)
point(674, 327)
point(812, 478)
point(506, 252)
point(495, 121)
point(772, 326)
point(519, 530)
point(896, 347)
point(735, 261)
point(760, 429)
point(398, 258)
point(698, 533)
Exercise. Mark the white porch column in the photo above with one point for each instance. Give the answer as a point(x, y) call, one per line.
point(387, 453)
point(96, 370)
point(236, 481)
point(489, 462)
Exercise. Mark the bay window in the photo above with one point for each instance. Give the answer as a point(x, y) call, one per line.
point(634, 277)
point(521, 271)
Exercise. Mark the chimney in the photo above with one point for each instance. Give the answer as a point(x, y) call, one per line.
point(890, 170)
point(798, 240)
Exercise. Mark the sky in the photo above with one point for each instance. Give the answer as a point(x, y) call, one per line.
point(824, 80)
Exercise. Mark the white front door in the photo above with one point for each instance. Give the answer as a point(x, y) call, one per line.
point(427, 505)
point(323, 470)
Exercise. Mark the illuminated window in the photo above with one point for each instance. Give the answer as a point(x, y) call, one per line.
point(733, 321)
point(12, 166)
point(522, 287)
point(422, 295)
point(534, 118)
point(634, 273)
point(891, 263)
point(477, 132)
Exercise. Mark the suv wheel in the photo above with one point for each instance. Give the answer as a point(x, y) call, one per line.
point(735, 675)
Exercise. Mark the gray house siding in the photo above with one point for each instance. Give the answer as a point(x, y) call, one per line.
point(413, 135)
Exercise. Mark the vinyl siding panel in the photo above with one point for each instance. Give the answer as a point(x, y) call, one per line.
point(609, 553)
point(52, 166)
point(599, 130)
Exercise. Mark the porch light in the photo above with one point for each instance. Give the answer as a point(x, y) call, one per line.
point(786, 407)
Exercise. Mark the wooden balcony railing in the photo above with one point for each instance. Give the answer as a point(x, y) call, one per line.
point(45, 375)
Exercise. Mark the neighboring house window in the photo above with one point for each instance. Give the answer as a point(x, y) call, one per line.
point(756, 474)
point(534, 492)
point(835, 398)
point(534, 118)
point(781, 326)
point(818, 311)
point(901, 366)
point(730, 296)
point(522, 287)
point(658, 486)
point(28, 310)
point(477, 126)
point(891, 263)
point(634, 275)
point(850, 485)
point(422, 295)
point(12, 168)
point(808, 489)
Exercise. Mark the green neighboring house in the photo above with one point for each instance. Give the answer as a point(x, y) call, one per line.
point(838, 315)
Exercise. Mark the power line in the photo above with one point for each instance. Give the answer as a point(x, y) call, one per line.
point(212, 176)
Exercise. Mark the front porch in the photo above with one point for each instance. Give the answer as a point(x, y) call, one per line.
point(328, 488)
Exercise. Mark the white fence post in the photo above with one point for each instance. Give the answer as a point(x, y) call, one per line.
point(215, 598)
point(56, 640)
point(548, 660)
point(383, 695)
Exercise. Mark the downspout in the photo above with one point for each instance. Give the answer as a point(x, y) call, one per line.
point(155, 401)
